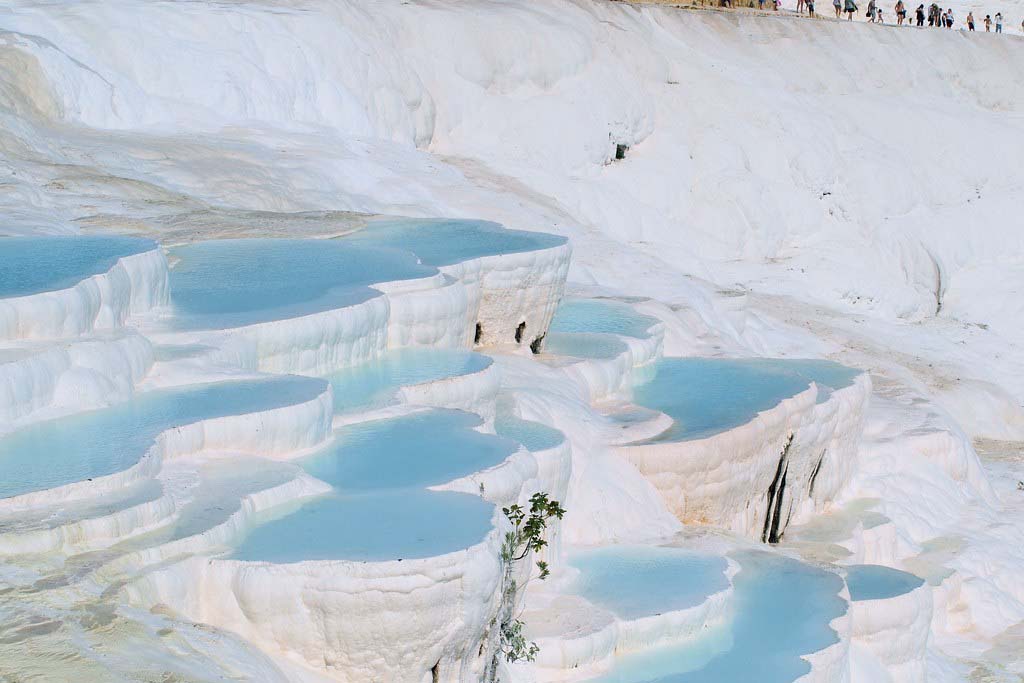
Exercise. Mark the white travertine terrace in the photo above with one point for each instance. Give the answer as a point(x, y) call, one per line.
point(579, 637)
point(515, 288)
point(134, 285)
point(276, 434)
point(496, 292)
point(474, 392)
point(38, 380)
point(894, 632)
point(439, 311)
point(723, 479)
point(312, 344)
point(452, 594)
point(609, 378)
point(325, 616)
point(328, 614)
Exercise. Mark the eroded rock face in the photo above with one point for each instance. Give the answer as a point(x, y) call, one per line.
point(787, 462)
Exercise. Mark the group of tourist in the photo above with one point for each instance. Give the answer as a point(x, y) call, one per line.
point(933, 14)
point(988, 21)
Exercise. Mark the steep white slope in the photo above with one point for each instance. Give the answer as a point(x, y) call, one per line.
point(867, 169)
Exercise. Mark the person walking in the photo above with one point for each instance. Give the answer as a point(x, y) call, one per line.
point(970, 21)
point(878, 15)
point(949, 18)
point(999, 22)
point(849, 6)
point(919, 15)
point(799, 6)
point(810, 8)
point(988, 23)
point(901, 12)
point(871, 11)
point(837, 5)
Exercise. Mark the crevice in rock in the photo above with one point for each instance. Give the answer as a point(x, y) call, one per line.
point(435, 672)
point(774, 535)
point(537, 343)
point(939, 285)
point(769, 533)
point(814, 474)
point(620, 151)
point(520, 331)
point(479, 334)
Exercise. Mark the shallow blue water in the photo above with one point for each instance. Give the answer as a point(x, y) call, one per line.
point(706, 396)
point(584, 345)
point(442, 242)
point(30, 265)
point(374, 384)
point(374, 526)
point(101, 442)
point(534, 436)
point(875, 582)
point(640, 581)
point(825, 373)
point(230, 283)
point(421, 449)
point(602, 316)
point(782, 611)
point(379, 509)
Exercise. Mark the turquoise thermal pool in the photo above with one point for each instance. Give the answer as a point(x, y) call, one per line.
point(231, 283)
point(533, 436)
point(380, 509)
point(706, 396)
point(32, 265)
point(587, 345)
point(576, 316)
point(101, 442)
point(400, 524)
point(375, 383)
point(783, 609)
point(443, 242)
point(587, 328)
point(875, 582)
point(640, 581)
point(422, 449)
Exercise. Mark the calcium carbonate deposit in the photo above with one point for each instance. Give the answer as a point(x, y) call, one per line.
point(467, 341)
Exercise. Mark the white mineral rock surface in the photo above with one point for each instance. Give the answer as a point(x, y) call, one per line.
point(791, 189)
